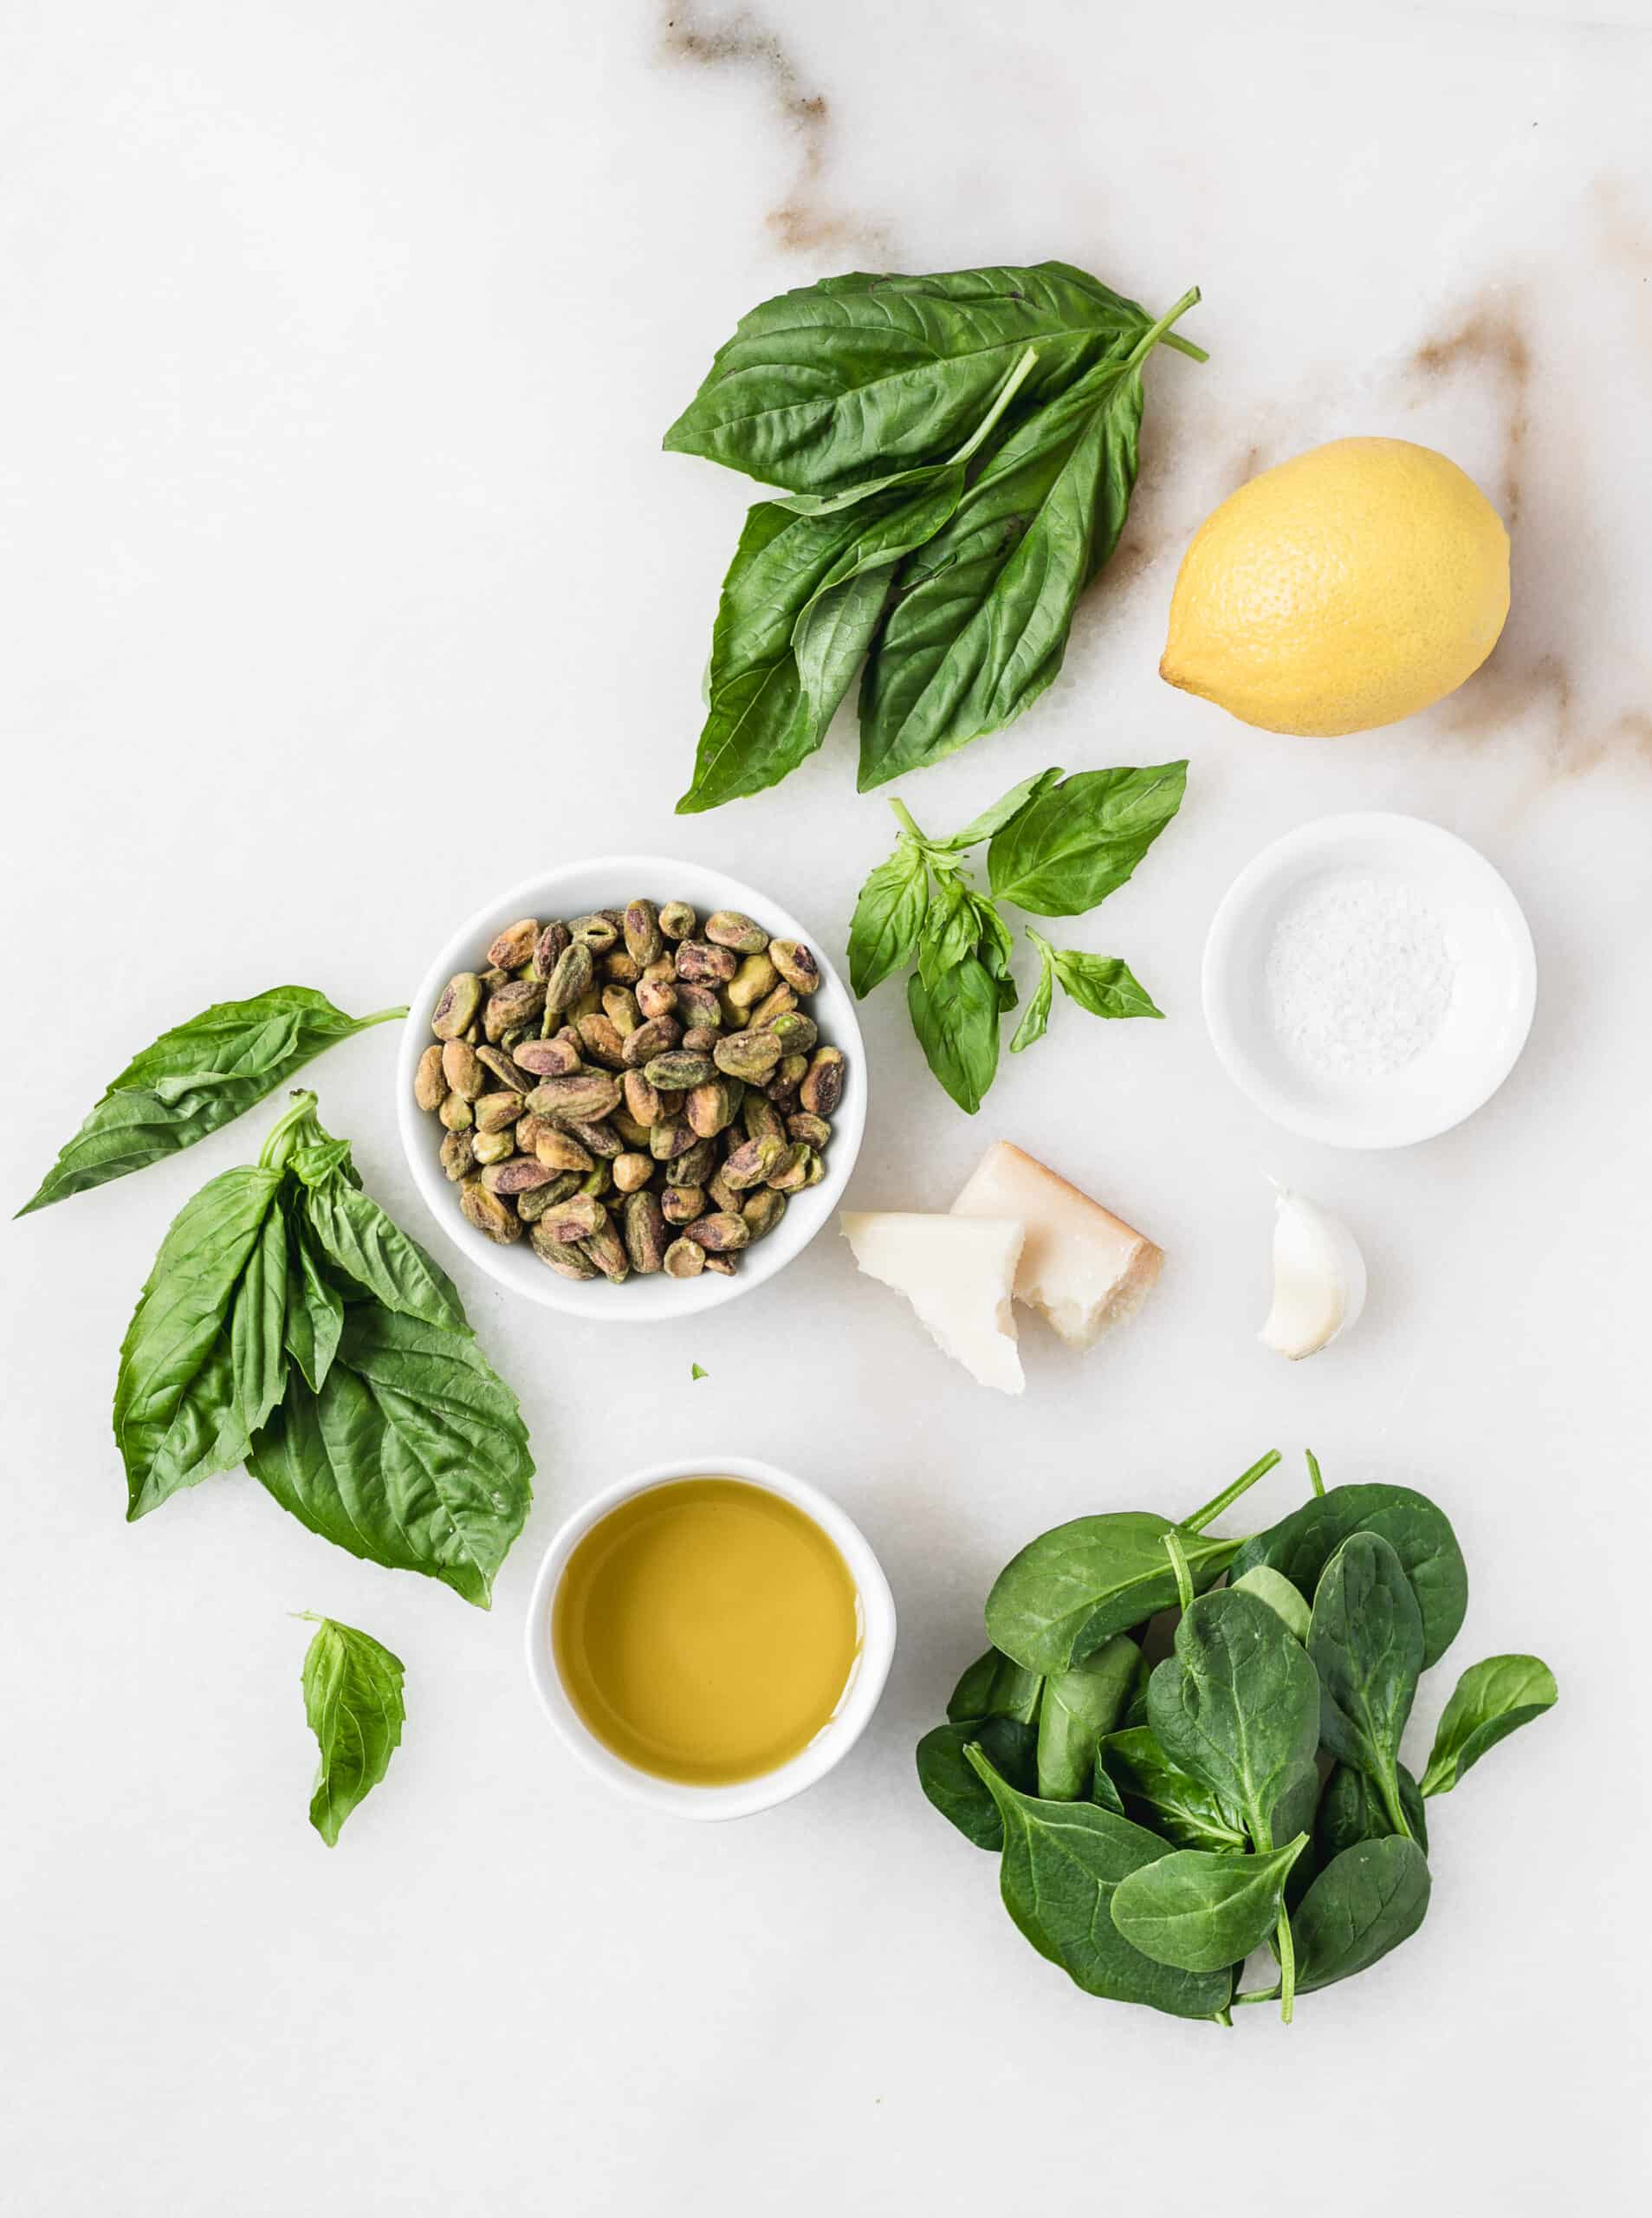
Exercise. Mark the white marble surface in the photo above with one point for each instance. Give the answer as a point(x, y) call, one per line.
point(342, 569)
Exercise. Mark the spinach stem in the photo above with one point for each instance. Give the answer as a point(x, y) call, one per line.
point(1261, 1994)
point(1179, 1565)
point(1150, 338)
point(1388, 1786)
point(1314, 1479)
point(1245, 1479)
point(1287, 1968)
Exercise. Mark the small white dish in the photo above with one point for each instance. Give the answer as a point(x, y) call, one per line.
point(573, 890)
point(876, 1606)
point(1484, 1026)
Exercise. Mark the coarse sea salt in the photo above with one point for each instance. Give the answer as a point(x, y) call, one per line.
point(1359, 976)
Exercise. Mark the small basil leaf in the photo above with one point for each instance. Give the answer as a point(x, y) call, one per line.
point(956, 1024)
point(888, 918)
point(950, 929)
point(314, 1314)
point(1102, 984)
point(1491, 1701)
point(177, 1419)
point(1200, 1909)
point(1036, 1022)
point(352, 1698)
point(413, 1455)
point(351, 1229)
point(1078, 842)
point(258, 1352)
point(995, 819)
point(196, 1079)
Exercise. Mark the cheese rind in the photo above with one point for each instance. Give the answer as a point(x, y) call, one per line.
point(958, 1273)
point(1082, 1268)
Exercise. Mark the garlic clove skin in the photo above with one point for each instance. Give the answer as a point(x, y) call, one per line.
point(1318, 1279)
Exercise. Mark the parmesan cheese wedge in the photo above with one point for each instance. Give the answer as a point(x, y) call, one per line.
point(1082, 1268)
point(958, 1273)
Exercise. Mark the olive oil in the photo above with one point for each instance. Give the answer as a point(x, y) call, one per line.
point(705, 1631)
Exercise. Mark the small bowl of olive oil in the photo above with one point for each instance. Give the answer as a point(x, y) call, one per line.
point(710, 1637)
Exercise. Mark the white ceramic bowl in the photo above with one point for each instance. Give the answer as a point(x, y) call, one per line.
point(835, 1739)
point(573, 890)
point(1479, 1037)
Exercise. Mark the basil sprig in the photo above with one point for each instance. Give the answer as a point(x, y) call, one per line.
point(1057, 845)
point(195, 1080)
point(290, 1325)
point(957, 454)
point(353, 1699)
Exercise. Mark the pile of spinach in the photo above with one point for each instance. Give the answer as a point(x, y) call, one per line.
point(289, 1325)
point(957, 453)
point(1156, 1825)
point(1058, 846)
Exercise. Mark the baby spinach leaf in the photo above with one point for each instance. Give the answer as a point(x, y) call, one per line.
point(824, 387)
point(315, 1313)
point(1080, 841)
point(1102, 984)
point(979, 625)
point(1420, 1534)
point(1080, 1705)
point(1200, 1910)
point(993, 1686)
point(350, 1228)
point(1237, 1705)
point(413, 1455)
point(957, 1024)
point(1351, 1811)
point(196, 1079)
point(952, 1785)
point(1062, 1863)
point(1365, 1639)
point(1275, 1589)
point(1036, 1022)
point(1178, 1805)
point(1068, 1590)
point(888, 918)
point(1490, 1701)
point(1103, 1793)
point(1369, 1899)
point(352, 1698)
point(176, 1416)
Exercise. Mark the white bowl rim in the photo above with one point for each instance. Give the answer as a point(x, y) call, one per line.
point(667, 1299)
point(1314, 840)
point(830, 1745)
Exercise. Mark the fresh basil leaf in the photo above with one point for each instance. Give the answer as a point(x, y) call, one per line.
point(979, 625)
point(957, 1024)
point(995, 819)
point(413, 1455)
point(1490, 1701)
point(824, 387)
point(1036, 1022)
point(314, 1314)
point(1200, 1909)
point(351, 1229)
point(953, 1787)
point(1063, 1863)
point(176, 1416)
point(258, 1352)
point(1419, 1532)
point(1366, 1903)
point(1102, 984)
point(888, 918)
point(1077, 842)
point(196, 1079)
point(1075, 1586)
point(1351, 1811)
point(1237, 1705)
point(352, 1698)
point(950, 929)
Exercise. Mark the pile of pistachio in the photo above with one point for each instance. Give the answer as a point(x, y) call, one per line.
point(632, 1092)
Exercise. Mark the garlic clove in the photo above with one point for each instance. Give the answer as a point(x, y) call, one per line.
point(1318, 1279)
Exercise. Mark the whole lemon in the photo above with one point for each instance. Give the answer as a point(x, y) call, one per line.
point(1344, 589)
